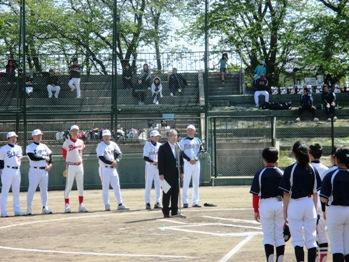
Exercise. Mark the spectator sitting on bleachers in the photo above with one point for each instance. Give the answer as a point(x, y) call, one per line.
point(156, 90)
point(127, 76)
point(306, 104)
point(29, 86)
point(223, 66)
point(261, 89)
point(75, 76)
point(11, 70)
point(176, 82)
point(52, 84)
point(139, 91)
point(329, 102)
point(146, 76)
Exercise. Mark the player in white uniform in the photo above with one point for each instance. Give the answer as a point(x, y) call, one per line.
point(150, 155)
point(191, 147)
point(72, 153)
point(109, 155)
point(40, 161)
point(10, 162)
point(315, 153)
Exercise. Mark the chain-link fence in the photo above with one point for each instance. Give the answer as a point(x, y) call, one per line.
point(236, 142)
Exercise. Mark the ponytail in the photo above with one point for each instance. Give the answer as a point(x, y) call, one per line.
point(302, 155)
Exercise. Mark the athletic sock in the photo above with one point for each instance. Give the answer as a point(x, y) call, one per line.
point(66, 201)
point(299, 253)
point(280, 251)
point(338, 257)
point(322, 252)
point(312, 254)
point(269, 252)
point(81, 199)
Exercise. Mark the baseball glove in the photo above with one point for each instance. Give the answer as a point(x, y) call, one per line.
point(287, 233)
point(65, 173)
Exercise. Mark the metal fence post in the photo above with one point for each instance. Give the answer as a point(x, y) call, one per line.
point(215, 147)
point(22, 84)
point(273, 130)
point(332, 134)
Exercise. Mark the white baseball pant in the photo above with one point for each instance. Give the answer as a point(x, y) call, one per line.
point(74, 172)
point(302, 216)
point(152, 174)
point(53, 88)
point(191, 172)
point(109, 177)
point(10, 178)
point(338, 229)
point(261, 93)
point(74, 83)
point(272, 220)
point(37, 177)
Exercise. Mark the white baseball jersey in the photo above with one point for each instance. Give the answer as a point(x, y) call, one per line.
point(39, 150)
point(11, 155)
point(191, 147)
point(74, 150)
point(107, 150)
point(321, 168)
point(151, 151)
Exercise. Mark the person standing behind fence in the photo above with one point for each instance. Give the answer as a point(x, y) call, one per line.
point(329, 102)
point(191, 147)
point(300, 184)
point(146, 76)
point(267, 204)
point(10, 163)
point(139, 91)
point(156, 90)
point(176, 82)
point(109, 155)
point(315, 153)
point(75, 77)
point(52, 84)
point(127, 76)
point(11, 70)
point(334, 192)
point(223, 66)
point(40, 160)
point(150, 156)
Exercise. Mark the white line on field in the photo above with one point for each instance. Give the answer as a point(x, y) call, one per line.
point(236, 248)
point(91, 253)
point(212, 224)
point(238, 234)
point(234, 220)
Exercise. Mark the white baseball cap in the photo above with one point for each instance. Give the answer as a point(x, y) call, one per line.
point(106, 132)
point(154, 133)
point(74, 127)
point(36, 132)
point(11, 134)
point(191, 127)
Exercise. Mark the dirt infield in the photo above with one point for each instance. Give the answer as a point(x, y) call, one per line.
point(223, 233)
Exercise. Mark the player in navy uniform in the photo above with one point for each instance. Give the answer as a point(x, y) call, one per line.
point(334, 192)
point(300, 184)
point(266, 192)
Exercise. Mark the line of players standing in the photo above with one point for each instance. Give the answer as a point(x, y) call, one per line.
point(291, 199)
point(109, 155)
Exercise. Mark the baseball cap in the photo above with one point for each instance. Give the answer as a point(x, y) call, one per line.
point(11, 134)
point(154, 133)
point(106, 132)
point(191, 127)
point(36, 132)
point(74, 127)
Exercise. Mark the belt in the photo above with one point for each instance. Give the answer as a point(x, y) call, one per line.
point(108, 167)
point(74, 163)
point(39, 167)
point(12, 167)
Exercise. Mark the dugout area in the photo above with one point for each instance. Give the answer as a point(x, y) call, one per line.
point(223, 233)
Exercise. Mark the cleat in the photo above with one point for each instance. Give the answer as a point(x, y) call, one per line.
point(18, 214)
point(107, 207)
point(122, 207)
point(316, 119)
point(82, 208)
point(196, 205)
point(185, 206)
point(67, 209)
point(298, 119)
point(157, 206)
point(46, 211)
point(147, 206)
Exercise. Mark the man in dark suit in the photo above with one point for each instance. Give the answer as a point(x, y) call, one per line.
point(170, 160)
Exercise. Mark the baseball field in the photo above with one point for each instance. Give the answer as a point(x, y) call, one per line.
point(226, 232)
